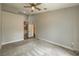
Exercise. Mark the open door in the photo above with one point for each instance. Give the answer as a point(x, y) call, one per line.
point(30, 30)
point(25, 30)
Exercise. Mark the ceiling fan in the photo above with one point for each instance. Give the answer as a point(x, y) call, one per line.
point(34, 6)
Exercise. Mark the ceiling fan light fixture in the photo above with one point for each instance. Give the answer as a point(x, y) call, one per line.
point(33, 8)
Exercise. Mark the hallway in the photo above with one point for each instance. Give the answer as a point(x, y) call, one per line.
point(34, 47)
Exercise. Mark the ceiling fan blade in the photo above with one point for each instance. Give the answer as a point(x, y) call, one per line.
point(38, 3)
point(27, 6)
point(45, 8)
point(38, 8)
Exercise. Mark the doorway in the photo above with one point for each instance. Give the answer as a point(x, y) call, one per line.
point(29, 30)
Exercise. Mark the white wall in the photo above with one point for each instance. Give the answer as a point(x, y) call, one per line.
point(12, 27)
point(59, 26)
point(0, 27)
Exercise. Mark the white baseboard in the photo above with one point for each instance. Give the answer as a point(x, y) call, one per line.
point(57, 44)
point(4, 43)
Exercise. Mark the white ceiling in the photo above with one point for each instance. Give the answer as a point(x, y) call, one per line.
point(19, 7)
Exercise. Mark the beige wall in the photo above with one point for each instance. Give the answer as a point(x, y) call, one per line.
point(59, 26)
point(0, 27)
point(12, 27)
